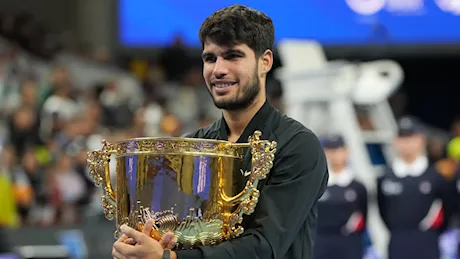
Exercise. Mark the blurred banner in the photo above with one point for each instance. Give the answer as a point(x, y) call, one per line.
point(141, 23)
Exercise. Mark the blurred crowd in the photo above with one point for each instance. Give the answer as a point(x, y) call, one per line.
point(50, 118)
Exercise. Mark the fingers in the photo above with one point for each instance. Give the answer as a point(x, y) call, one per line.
point(122, 249)
point(168, 241)
point(122, 238)
point(132, 233)
point(117, 255)
point(150, 231)
point(171, 244)
point(131, 237)
point(148, 227)
point(130, 241)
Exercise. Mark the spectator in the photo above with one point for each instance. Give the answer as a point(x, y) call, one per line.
point(23, 129)
point(68, 189)
point(175, 60)
point(455, 129)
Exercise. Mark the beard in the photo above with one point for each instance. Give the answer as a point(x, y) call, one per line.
point(243, 99)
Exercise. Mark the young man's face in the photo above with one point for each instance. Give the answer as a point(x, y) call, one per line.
point(233, 74)
point(409, 146)
point(336, 156)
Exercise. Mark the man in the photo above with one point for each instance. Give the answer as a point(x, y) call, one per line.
point(414, 199)
point(343, 207)
point(237, 55)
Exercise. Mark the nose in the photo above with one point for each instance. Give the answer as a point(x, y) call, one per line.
point(220, 68)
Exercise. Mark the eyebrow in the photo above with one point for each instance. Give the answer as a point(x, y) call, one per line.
point(230, 51)
point(205, 55)
point(235, 51)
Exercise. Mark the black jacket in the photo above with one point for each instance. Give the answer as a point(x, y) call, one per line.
point(284, 222)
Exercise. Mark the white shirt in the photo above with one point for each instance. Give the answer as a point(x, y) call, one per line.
point(403, 169)
point(342, 178)
point(70, 186)
point(65, 107)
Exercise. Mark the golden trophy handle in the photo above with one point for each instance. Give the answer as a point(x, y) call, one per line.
point(263, 154)
point(99, 171)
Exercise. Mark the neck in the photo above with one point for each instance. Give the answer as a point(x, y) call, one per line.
point(410, 158)
point(61, 94)
point(337, 168)
point(238, 120)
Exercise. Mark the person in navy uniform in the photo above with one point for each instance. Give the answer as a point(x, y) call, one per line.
point(448, 167)
point(342, 210)
point(413, 198)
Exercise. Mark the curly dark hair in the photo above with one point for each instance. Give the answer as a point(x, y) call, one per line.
point(238, 24)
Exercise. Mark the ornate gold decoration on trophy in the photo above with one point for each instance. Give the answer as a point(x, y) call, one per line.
point(186, 185)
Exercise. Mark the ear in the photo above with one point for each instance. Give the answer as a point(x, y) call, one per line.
point(266, 60)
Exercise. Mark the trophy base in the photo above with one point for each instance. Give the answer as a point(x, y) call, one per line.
point(192, 231)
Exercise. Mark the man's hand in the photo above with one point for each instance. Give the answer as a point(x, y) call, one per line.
point(167, 241)
point(139, 245)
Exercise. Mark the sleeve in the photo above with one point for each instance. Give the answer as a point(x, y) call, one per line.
point(297, 180)
point(363, 201)
point(446, 191)
point(381, 201)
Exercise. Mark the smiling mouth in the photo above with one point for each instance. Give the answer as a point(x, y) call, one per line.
point(223, 85)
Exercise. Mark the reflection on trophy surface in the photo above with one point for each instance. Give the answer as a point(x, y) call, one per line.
point(188, 186)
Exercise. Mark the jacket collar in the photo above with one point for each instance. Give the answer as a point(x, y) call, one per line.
point(258, 122)
point(403, 169)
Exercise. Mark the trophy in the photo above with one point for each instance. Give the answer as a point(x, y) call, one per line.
point(186, 185)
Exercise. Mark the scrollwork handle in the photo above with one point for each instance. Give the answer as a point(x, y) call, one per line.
point(99, 171)
point(263, 154)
